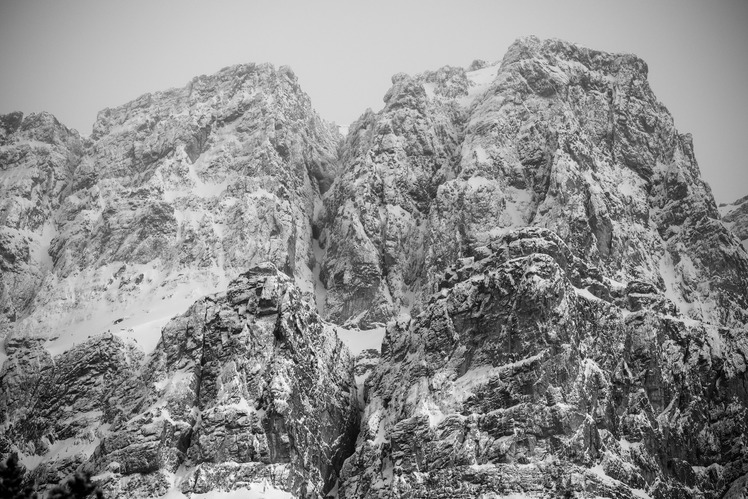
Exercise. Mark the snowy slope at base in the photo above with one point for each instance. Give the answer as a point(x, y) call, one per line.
point(359, 340)
point(254, 491)
point(138, 317)
point(480, 80)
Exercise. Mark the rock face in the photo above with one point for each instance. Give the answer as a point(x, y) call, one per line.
point(517, 379)
point(174, 194)
point(735, 217)
point(566, 306)
point(248, 386)
point(375, 227)
point(554, 136)
point(38, 156)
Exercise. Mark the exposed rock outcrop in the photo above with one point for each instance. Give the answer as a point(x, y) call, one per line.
point(516, 379)
point(555, 136)
point(174, 194)
point(248, 386)
point(375, 230)
point(566, 307)
point(38, 158)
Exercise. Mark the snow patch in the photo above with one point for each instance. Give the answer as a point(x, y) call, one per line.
point(61, 449)
point(479, 81)
point(430, 90)
point(608, 480)
point(137, 316)
point(672, 283)
point(585, 293)
point(359, 340)
point(261, 490)
point(478, 181)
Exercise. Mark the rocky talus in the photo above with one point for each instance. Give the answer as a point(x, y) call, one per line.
point(564, 306)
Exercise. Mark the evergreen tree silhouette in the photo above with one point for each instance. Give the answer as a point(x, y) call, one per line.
point(78, 486)
point(11, 480)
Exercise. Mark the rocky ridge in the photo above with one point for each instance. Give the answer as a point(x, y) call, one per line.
point(517, 381)
point(172, 196)
point(555, 136)
point(38, 156)
point(566, 311)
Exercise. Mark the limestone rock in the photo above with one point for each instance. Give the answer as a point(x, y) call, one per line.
point(176, 193)
point(375, 227)
point(555, 136)
point(515, 379)
point(565, 305)
point(38, 157)
point(248, 386)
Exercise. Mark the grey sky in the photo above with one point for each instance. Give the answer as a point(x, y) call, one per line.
point(74, 58)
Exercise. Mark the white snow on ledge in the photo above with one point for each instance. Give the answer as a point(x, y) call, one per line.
point(255, 491)
point(359, 340)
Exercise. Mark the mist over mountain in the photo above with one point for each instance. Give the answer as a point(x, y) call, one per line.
point(511, 281)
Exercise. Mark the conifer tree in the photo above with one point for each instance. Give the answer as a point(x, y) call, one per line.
point(11, 480)
point(78, 486)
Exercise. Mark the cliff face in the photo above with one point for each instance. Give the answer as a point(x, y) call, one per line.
point(554, 136)
point(735, 217)
point(38, 158)
point(565, 304)
point(174, 195)
point(517, 380)
point(247, 387)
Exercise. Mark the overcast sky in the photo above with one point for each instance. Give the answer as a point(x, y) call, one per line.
point(74, 58)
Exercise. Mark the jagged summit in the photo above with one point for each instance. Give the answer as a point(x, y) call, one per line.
point(563, 305)
point(531, 46)
point(167, 201)
point(556, 136)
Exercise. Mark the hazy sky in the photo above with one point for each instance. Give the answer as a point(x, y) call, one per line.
point(74, 58)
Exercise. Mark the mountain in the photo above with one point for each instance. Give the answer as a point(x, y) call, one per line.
point(173, 195)
point(38, 157)
point(553, 136)
point(196, 292)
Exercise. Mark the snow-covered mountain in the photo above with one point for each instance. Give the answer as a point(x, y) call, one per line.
point(175, 194)
point(553, 136)
point(565, 308)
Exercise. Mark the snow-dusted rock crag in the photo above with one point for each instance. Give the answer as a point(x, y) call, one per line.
point(516, 379)
point(38, 156)
point(555, 136)
point(735, 217)
point(173, 195)
point(247, 387)
point(566, 306)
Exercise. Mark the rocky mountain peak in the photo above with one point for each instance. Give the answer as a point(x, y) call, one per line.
point(510, 280)
point(556, 136)
point(555, 50)
point(165, 201)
